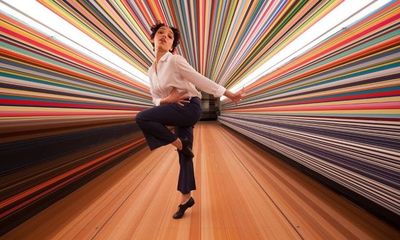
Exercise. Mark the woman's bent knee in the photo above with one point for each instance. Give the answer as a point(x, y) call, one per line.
point(139, 118)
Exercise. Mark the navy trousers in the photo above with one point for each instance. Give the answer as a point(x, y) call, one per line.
point(154, 121)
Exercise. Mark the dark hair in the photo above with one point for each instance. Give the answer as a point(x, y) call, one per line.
point(177, 35)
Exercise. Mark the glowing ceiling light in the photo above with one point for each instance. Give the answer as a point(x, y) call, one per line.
point(343, 16)
point(45, 21)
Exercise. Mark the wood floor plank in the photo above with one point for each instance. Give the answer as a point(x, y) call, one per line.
point(316, 211)
point(235, 195)
point(242, 193)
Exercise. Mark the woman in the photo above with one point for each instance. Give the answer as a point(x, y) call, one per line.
point(177, 102)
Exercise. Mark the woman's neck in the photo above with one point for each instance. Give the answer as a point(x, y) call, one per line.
point(159, 55)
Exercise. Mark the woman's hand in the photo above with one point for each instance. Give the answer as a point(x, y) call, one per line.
point(235, 97)
point(175, 97)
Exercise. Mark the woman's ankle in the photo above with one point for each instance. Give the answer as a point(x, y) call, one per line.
point(185, 198)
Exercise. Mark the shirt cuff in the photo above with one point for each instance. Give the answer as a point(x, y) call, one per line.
point(219, 92)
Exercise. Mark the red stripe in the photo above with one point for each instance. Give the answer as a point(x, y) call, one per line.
point(360, 106)
point(76, 113)
point(31, 103)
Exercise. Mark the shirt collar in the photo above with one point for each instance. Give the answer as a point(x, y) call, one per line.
point(165, 56)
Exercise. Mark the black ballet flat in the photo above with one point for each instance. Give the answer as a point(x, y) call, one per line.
point(186, 150)
point(182, 208)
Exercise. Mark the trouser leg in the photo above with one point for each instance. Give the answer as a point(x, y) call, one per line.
point(153, 121)
point(186, 181)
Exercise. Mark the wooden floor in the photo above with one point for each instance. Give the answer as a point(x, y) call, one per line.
point(243, 193)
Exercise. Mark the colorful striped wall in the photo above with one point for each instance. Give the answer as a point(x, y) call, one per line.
point(63, 117)
point(336, 109)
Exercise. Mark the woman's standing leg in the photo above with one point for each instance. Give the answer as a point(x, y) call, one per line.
point(186, 181)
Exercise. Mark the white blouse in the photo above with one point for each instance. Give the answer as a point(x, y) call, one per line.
point(173, 71)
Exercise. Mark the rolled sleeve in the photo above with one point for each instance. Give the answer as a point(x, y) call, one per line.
point(188, 73)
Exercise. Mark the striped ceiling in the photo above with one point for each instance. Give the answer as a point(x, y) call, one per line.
point(224, 40)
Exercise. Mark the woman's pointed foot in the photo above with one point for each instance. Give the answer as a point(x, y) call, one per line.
point(182, 208)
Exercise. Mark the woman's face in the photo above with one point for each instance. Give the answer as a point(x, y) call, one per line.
point(163, 39)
